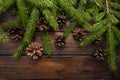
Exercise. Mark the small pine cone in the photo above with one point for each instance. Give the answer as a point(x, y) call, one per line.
point(43, 28)
point(43, 25)
point(98, 41)
point(79, 33)
point(42, 20)
point(61, 19)
point(100, 54)
point(16, 33)
point(60, 42)
point(34, 50)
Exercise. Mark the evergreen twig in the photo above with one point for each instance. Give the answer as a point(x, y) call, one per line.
point(47, 43)
point(69, 29)
point(3, 37)
point(94, 35)
point(31, 29)
point(22, 12)
point(8, 25)
point(51, 19)
point(6, 5)
point(111, 45)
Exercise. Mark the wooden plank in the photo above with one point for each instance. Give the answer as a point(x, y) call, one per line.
point(72, 47)
point(7, 17)
point(62, 67)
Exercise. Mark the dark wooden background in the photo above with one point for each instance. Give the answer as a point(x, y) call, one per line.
point(70, 63)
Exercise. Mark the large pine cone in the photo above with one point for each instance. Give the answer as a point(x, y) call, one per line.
point(100, 54)
point(60, 42)
point(43, 25)
point(34, 50)
point(16, 33)
point(79, 33)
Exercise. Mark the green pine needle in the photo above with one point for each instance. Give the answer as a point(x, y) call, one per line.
point(69, 29)
point(99, 16)
point(70, 10)
point(116, 32)
point(98, 25)
point(47, 43)
point(51, 19)
point(8, 25)
point(92, 36)
point(22, 12)
point(3, 37)
point(111, 44)
point(6, 5)
point(30, 32)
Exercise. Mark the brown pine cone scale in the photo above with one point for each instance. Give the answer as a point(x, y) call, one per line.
point(34, 50)
point(79, 33)
point(61, 19)
point(60, 42)
point(43, 25)
point(100, 54)
point(16, 33)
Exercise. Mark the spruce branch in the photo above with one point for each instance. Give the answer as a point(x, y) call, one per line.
point(3, 37)
point(48, 4)
point(47, 43)
point(110, 39)
point(6, 5)
point(73, 2)
point(111, 44)
point(46, 7)
point(51, 19)
point(22, 12)
point(33, 3)
point(31, 29)
point(69, 29)
point(75, 13)
point(83, 2)
point(116, 32)
point(70, 10)
point(82, 7)
point(55, 8)
point(98, 25)
point(97, 3)
point(8, 25)
point(115, 5)
point(43, 3)
point(94, 35)
point(115, 13)
point(100, 16)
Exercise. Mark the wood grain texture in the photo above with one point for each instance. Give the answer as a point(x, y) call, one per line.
point(72, 47)
point(56, 67)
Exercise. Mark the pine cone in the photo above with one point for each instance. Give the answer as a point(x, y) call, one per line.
point(98, 41)
point(60, 42)
point(43, 25)
point(79, 33)
point(61, 19)
point(34, 50)
point(100, 54)
point(16, 33)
